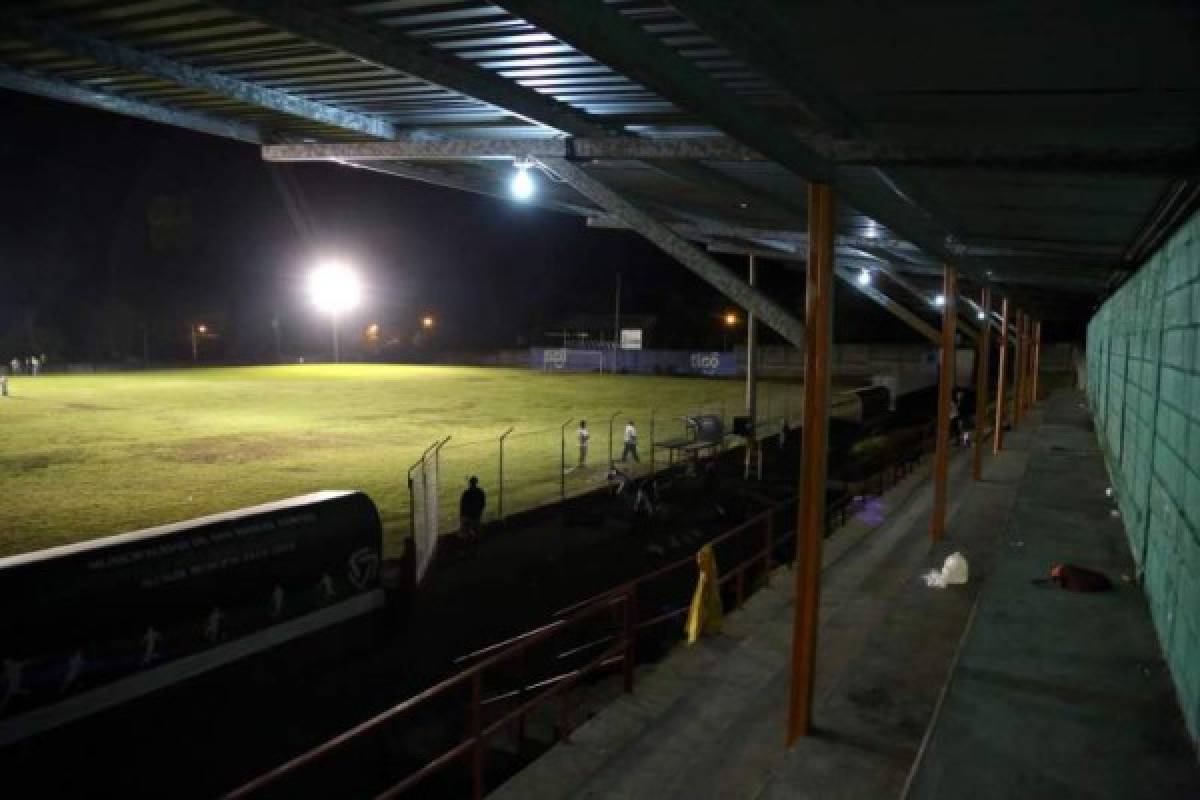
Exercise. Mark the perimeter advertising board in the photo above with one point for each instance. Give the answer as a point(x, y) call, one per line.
point(90, 625)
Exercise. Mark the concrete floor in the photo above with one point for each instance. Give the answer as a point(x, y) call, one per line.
point(709, 720)
point(1059, 694)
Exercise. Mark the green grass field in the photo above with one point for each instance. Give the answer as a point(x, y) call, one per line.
point(89, 455)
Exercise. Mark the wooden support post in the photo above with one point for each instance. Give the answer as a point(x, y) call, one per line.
point(937, 522)
point(1037, 356)
point(983, 357)
point(818, 303)
point(998, 434)
point(1018, 371)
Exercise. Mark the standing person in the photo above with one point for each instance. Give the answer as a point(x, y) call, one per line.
point(584, 435)
point(630, 443)
point(16, 366)
point(470, 512)
point(34, 365)
point(956, 427)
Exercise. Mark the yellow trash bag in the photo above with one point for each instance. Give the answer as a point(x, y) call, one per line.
point(705, 614)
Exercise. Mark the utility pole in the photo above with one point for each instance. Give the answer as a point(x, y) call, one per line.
point(617, 325)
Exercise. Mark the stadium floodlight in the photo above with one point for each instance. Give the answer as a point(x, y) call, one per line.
point(939, 300)
point(731, 319)
point(979, 315)
point(334, 289)
point(522, 185)
point(864, 277)
point(197, 331)
point(427, 322)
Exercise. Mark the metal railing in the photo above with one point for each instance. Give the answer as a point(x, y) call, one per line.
point(744, 553)
point(617, 646)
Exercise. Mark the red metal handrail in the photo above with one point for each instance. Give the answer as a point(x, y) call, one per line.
point(623, 652)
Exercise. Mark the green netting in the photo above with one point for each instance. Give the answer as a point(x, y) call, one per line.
point(1143, 383)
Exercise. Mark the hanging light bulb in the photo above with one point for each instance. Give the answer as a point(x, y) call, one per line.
point(522, 185)
point(864, 277)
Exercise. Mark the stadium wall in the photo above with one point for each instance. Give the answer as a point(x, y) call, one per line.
point(1143, 384)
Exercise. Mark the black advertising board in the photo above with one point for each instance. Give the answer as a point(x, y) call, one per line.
point(89, 625)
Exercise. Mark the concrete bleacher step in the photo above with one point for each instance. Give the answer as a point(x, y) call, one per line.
point(707, 721)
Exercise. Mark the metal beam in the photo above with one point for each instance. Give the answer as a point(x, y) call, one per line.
point(946, 375)
point(845, 274)
point(746, 30)
point(1171, 158)
point(752, 379)
point(1019, 372)
point(983, 357)
point(888, 269)
point(114, 55)
point(771, 313)
point(717, 148)
point(605, 34)
point(68, 92)
point(810, 522)
point(481, 184)
point(899, 311)
point(1037, 357)
point(1001, 407)
point(329, 25)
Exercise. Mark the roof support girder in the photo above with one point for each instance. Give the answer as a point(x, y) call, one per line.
point(711, 148)
point(67, 92)
point(484, 185)
point(771, 313)
point(1170, 158)
point(127, 58)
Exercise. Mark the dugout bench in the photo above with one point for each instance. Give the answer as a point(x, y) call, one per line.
point(705, 436)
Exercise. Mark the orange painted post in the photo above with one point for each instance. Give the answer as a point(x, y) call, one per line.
point(937, 522)
point(1037, 356)
point(983, 355)
point(998, 434)
point(810, 528)
point(1018, 371)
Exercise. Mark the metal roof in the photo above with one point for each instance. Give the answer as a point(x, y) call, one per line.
point(1044, 149)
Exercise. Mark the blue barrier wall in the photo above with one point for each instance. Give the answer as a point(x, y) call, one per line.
point(650, 362)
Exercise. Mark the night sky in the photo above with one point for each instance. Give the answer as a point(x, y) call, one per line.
point(119, 234)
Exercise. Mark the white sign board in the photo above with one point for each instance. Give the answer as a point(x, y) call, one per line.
point(631, 338)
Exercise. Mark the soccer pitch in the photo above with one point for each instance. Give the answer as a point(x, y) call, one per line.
point(83, 456)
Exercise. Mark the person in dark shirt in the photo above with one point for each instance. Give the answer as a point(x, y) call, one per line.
point(470, 512)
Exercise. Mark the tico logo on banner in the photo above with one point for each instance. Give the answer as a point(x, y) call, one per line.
point(708, 363)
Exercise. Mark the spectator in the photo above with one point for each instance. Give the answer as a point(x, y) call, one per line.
point(583, 434)
point(956, 426)
point(16, 366)
point(630, 443)
point(34, 365)
point(470, 512)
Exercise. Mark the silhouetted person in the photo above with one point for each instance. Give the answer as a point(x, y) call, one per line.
point(470, 512)
point(584, 435)
point(630, 443)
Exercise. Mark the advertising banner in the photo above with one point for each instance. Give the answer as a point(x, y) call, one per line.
point(88, 625)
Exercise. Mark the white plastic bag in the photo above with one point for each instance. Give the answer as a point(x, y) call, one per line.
point(954, 570)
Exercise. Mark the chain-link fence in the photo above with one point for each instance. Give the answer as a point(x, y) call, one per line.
point(523, 469)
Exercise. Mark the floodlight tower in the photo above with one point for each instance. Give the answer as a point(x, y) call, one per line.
point(334, 289)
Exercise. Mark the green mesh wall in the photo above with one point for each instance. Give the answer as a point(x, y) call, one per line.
point(1143, 354)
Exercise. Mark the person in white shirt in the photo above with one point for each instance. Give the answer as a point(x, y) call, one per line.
point(583, 434)
point(630, 443)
